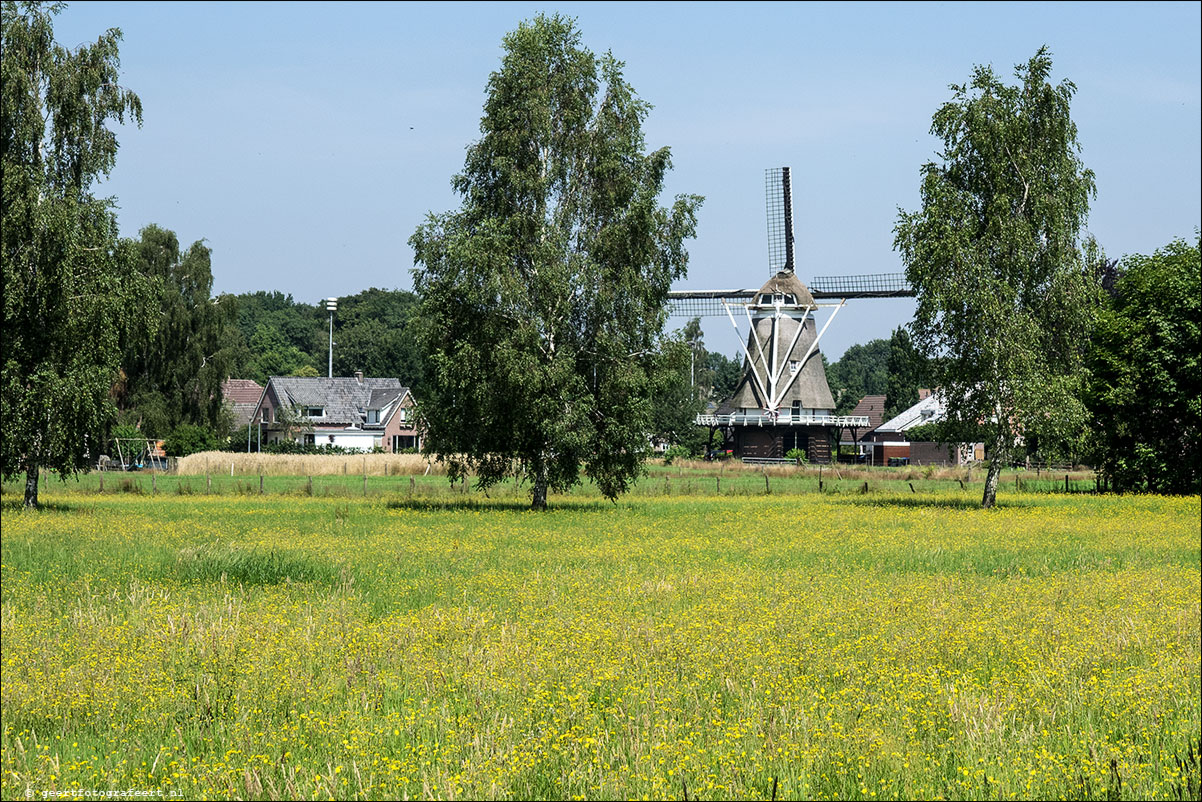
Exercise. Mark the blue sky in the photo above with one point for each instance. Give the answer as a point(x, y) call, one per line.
point(305, 141)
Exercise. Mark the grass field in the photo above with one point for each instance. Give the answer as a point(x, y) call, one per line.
point(427, 643)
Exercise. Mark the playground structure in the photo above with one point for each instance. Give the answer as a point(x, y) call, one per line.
point(135, 454)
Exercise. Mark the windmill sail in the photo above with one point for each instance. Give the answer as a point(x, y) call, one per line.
point(778, 195)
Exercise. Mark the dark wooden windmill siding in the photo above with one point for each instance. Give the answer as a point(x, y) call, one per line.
point(777, 441)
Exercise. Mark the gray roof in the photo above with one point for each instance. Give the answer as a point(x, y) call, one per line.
point(931, 409)
point(344, 399)
point(382, 398)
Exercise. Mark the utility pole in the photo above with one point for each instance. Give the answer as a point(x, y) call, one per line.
point(331, 305)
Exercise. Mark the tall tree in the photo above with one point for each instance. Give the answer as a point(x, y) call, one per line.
point(1006, 293)
point(904, 373)
point(542, 296)
point(174, 372)
point(71, 288)
point(1146, 380)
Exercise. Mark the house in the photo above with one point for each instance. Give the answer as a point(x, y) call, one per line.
point(889, 444)
point(241, 396)
point(350, 412)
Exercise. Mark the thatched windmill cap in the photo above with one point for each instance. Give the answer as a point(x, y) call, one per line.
point(785, 283)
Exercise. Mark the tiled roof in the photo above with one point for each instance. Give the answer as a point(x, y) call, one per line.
point(241, 391)
point(872, 406)
point(344, 399)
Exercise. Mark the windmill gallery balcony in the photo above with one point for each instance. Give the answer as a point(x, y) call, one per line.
point(784, 418)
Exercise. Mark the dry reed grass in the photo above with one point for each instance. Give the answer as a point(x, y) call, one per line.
point(243, 464)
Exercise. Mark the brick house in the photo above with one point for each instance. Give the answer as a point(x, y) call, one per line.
point(351, 412)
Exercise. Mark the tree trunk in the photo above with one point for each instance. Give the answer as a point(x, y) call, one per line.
point(31, 486)
point(991, 478)
point(538, 499)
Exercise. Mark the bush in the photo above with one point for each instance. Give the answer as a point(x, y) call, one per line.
point(797, 455)
point(676, 452)
point(188, 439)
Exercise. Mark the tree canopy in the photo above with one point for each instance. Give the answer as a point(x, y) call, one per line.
point(174, 370)
point(1145, 389)
point(1005, 283)
point(542, 297)
point(905, 372)
point(72, 292)
point(862, 370)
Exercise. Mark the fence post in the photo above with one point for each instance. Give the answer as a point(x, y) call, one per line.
point(154, 484)
point(411, 485)
point(767, 489)
point(260, 481)
point(1066, 483)
point(718, 478)
point(309, 487)
point(819, 478)
point(101, 482)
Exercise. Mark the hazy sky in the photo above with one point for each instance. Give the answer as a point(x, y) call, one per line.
point(305, 142)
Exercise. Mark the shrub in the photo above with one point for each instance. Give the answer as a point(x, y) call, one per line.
point(676, 452)
point(797, 455)
point(188, 439)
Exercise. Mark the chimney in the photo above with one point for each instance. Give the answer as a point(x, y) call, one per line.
point(923, 393)
point(359, 376)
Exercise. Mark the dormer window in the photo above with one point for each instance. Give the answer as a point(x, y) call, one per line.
point(373, 416)
point(313, 412)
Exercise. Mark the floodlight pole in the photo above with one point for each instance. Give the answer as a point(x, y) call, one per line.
point(331, 305)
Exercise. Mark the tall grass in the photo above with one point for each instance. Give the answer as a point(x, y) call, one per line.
point(241, 464)
point(888, 645)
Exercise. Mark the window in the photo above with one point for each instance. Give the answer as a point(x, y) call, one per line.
point(373, 416)
point(313, 412)
point(401, 413)
point(794, 366)
point(403, 441)
point(310, 440)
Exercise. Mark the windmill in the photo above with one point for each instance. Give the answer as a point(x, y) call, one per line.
point(783, 400)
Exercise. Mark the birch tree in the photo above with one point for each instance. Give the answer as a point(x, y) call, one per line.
point(542, 297)
point(71, 290)
point(1003, 274)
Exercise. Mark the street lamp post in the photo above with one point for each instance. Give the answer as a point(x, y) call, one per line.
point(331, 305)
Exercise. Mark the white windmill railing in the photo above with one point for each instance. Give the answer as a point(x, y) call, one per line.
point(764, 418)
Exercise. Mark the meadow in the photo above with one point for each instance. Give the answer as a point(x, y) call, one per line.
point(340, 639)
